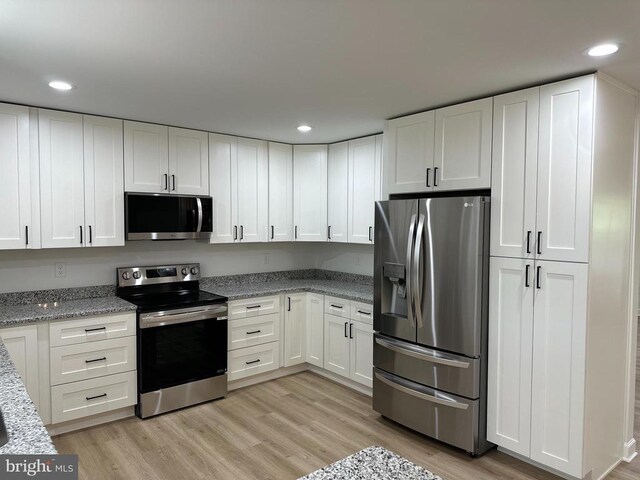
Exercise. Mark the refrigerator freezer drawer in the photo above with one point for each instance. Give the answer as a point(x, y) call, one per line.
point(445, 417)
point(443, 371)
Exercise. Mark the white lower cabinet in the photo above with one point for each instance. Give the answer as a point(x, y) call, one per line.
point(22, 344)
point(92, 365)
point(295, 341)
point(537, 366)
point(348, 343)
point(245, 362)
point(315, 329)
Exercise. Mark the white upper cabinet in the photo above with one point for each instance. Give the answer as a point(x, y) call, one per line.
point(514, 171)
point(564, 170)
point(15, 165)
point(510, 353)
point(188, 162)
point(364, 160)
point(146, 157)
point(558, 377)
point(462, 158)
point(408, 153)
point(61, 179)
point(252, 190)
point(280, 192)
point(103, 182)
point(310, 192)
point(337, 191)
point(223, 174)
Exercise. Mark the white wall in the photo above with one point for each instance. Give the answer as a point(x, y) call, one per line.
point(35, 269)
point(345, 257)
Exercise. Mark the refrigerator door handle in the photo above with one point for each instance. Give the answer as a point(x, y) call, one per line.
point(420, 395)
point(409, 288)
point(417, 282)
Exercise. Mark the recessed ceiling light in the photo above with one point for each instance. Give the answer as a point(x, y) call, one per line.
point(60, 85)
point(602, 50)
point(304, 128)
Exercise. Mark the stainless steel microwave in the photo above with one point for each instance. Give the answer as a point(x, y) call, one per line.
point(154, 216)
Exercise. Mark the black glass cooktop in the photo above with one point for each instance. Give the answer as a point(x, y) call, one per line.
point(148, 302)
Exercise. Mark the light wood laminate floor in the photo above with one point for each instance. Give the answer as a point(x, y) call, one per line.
point(282, 429)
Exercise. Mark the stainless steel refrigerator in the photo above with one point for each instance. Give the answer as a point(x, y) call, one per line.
point(430, 316)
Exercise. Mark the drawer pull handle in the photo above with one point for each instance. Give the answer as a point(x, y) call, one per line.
point(363, 312)
point(96, 396)
point(252, 361)
point(423, 396)
point(95, 360)
point(336, 306)
point(94, 329)
point(254, 331)
point(253, 306)
point(429, 355)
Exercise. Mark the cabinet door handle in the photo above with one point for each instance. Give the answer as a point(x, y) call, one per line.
point(235, 232)
point(528, 241)
point(253, 331)
point(345, 330)
point(538, 242)
point(428, 172)
point(26, 235)
point(272, 232)
point(253, 361)
point(90, 234)
point(351, 330)
point(371, 234)
point(289, 307)
point(95, 360)
point(241, 232)
point(295, 233)
point(80, 234)
point(166, 181)
point(435, 177)
point(538, 277)
point(96, 396)
point(173, 182)
point(526, 275)
point(329, 232)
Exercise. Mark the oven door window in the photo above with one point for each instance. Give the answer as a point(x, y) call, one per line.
point(176, 354)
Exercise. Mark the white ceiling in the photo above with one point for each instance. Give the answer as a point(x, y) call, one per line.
point(259, 68)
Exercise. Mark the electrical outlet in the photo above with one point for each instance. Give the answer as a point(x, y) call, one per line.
point(61, 270)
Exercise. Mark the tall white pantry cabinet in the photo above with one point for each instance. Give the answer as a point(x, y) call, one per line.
point(560, 273)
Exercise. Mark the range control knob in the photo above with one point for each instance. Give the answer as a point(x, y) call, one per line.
point(126, 275)
point(136, 275)
point(194, 270)
point(185, 271)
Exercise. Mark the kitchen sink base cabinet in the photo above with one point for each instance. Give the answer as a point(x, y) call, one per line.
point(561, 310)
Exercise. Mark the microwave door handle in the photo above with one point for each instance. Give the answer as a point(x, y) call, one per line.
point(199, 203)
point(409, 285)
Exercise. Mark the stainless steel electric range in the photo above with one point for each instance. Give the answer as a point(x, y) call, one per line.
point(182, 337)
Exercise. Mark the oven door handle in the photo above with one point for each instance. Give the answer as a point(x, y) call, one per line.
point(161, 319)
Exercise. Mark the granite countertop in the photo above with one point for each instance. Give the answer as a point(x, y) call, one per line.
point(38, 312)
point(359, 292)
point(27, 434)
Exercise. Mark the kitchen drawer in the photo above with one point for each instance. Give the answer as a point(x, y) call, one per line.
point(254, 307)
point(440, 415)
point(433, 368)
point(245, 332)
point(362, 312)
point(337, 306)
point(253, 360)
point(90, 397)
point(83, 361)
point(91, 329)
